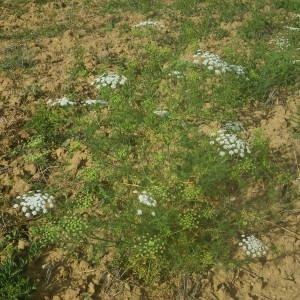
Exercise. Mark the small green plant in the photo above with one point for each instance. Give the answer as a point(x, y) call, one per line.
point(72, 225)
point(258, 27)
point(292, 5)
point(44, 1)
point(30, 34)
point(34, 151)
point(145, 258)
point(188, 221)
point(16, 57)
point(62, 230)
point(78, 70)
point(13, 282)
point(39, 158)
point(221, 33)
point(143, 6)
point(84, 201)
point(47, 123)
point(46, 234)
point(188, 8)
point(16, 7)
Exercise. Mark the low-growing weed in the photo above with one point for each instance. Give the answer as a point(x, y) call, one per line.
point(47, 124)
point(13, 282)
point(258, 27)
point(276, 70)
point(292, 5)
point(143, 6)
point(168, 196)
point(16, 57)
point(30, 34)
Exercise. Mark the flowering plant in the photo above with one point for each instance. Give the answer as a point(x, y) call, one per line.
point(214, 63)
point(253, 246)
point(109, 79)
point(33, 203)
point(229, 143)
point(151, 23)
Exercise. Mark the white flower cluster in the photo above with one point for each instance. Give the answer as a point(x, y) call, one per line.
point(253, 246)
point(91, 102)
point(216, 64)
point(176, 74)
point(33, 203)
point(65, 101)
point(151, 23)
point(109, 79)
point(61, 102)
point(161, 113)
point(139, 212)
point(147, 200)
point(230, 143)
point(292, 28)
point(280, 42)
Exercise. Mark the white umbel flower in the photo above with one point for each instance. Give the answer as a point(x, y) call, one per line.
point(161, 113)
point(61, 102)
point(253, 246)
point(229, 143)
point(32, 203)
point(149, 23)
point(176, 74)
point(280, 41)
point(292, 28)
point(146, 199)
point(214, 63)
point(92, 102)
point(109, 79)
point(222, 153)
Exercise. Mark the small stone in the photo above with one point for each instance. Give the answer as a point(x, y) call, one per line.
point(78, 159)
point(91, 288)
point(30, 168)
point(22, 244)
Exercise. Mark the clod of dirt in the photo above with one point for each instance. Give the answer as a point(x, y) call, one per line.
point(22, 245)
point(23, 134)
point(30, 168)
point(19, 187)
point(60, 154)
point(91, 288)
point(16, 171)
point(78, 159)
